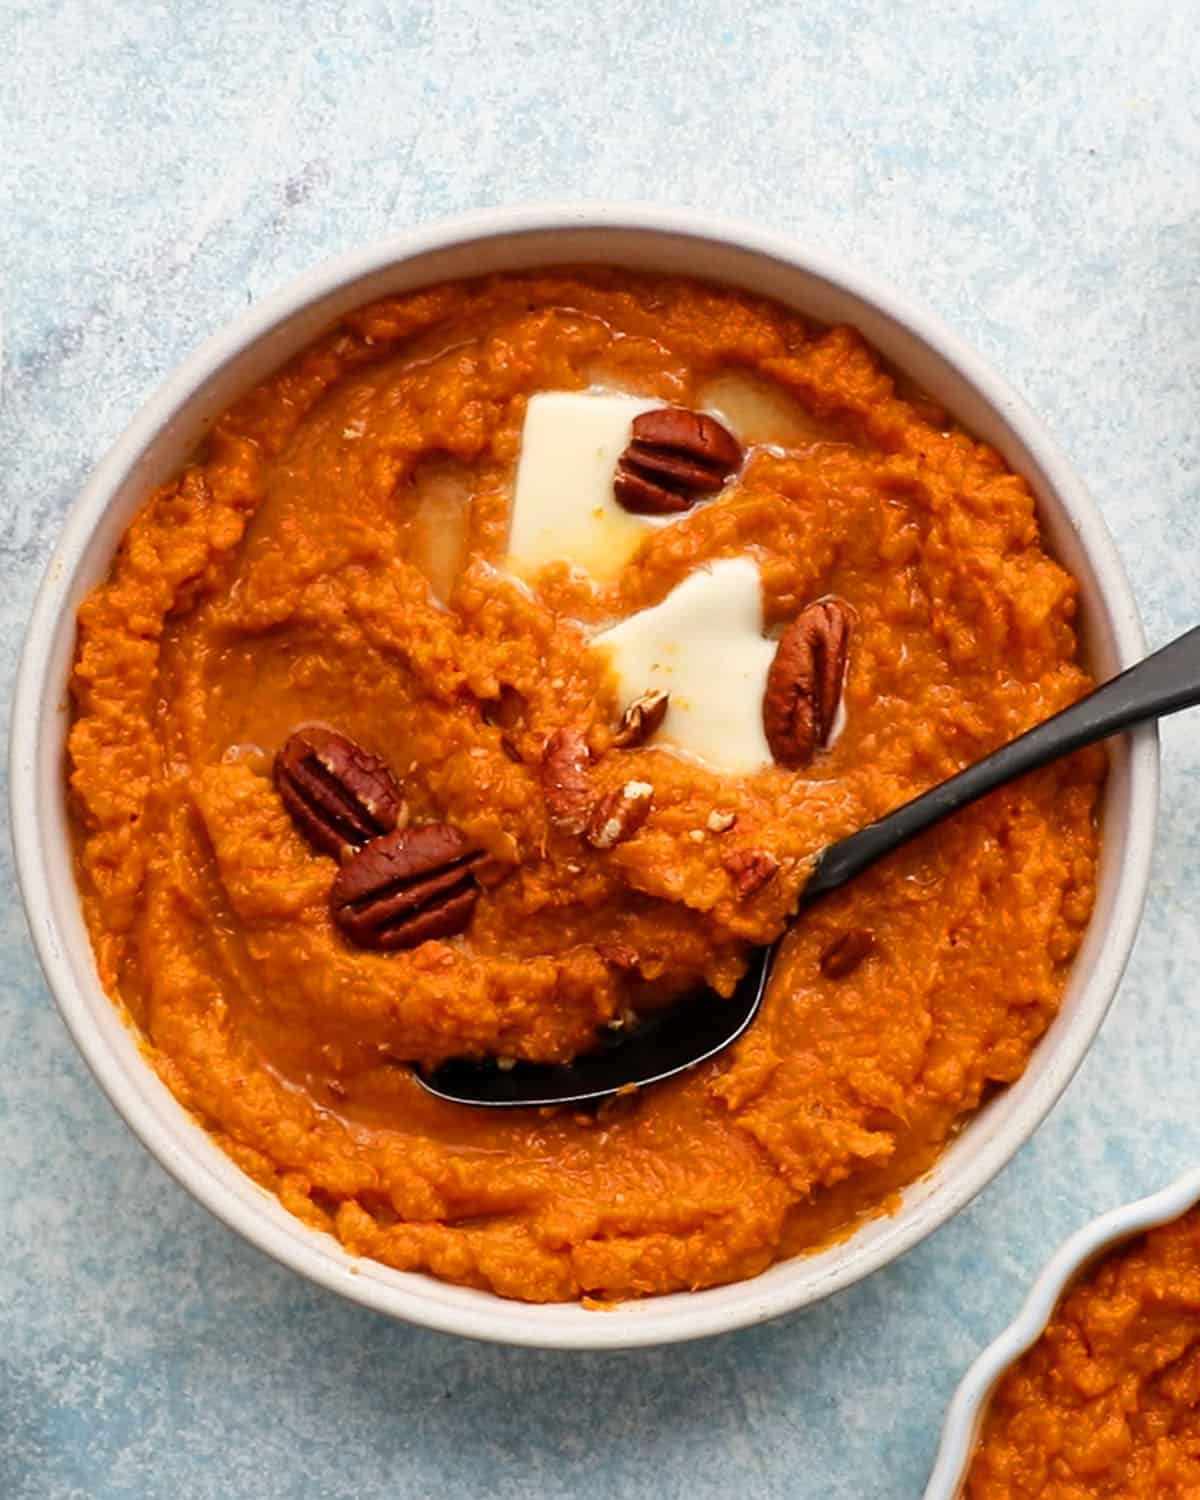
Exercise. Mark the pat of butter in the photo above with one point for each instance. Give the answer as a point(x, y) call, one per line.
point(563, 505)
point(704, 645)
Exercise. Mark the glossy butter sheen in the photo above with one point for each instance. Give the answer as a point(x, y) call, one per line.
point(563, 509)
point(704, 645)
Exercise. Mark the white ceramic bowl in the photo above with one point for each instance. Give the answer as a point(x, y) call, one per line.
point(157, 443)
point(966, 1412)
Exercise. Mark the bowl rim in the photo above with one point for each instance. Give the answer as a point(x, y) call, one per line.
point(1096, 1239)
point(412, 1296)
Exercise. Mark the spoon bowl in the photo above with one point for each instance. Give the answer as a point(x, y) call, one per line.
point(665, 1042)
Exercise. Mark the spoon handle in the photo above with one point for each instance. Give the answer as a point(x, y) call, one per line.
point(1162, 684)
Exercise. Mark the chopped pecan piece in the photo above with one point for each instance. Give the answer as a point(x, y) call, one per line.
point(619, 955)
point(844, 954)
point(565, 783)
point(804, 683)
point(407, 887)
point(675, 456)
point(338, 794)
point(642, 719)
point(507, 713)
point(620, 814)
point(750, 870)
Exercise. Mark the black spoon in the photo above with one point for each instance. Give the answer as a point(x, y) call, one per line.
point(693, 1030)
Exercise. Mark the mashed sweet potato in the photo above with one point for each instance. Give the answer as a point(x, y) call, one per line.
point(335, 553)
point(1107, 1402)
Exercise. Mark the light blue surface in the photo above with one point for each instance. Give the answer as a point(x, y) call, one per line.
point(1030, 171)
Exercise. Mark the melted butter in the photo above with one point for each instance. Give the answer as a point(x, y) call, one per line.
point(439, 527)
point(704, 645)
point(758, 411)
point(563, 508)
point(563, 505)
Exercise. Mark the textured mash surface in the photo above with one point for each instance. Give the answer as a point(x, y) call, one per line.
point(1105, 1403)
point(285, 577)
point(1028, 170)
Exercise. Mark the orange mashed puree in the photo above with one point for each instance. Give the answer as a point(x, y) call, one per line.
point(334, 552)
point(1107, 1402)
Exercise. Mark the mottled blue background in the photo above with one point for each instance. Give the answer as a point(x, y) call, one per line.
point(1030, 171)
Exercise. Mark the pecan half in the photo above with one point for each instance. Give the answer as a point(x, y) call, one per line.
point(620, 814)
point(844, 954)
point(750, 870)
point(407, 887)
point(675, 456)
point(338, 794)
point(642, 719)
point(804, 683)
point(565, 784)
